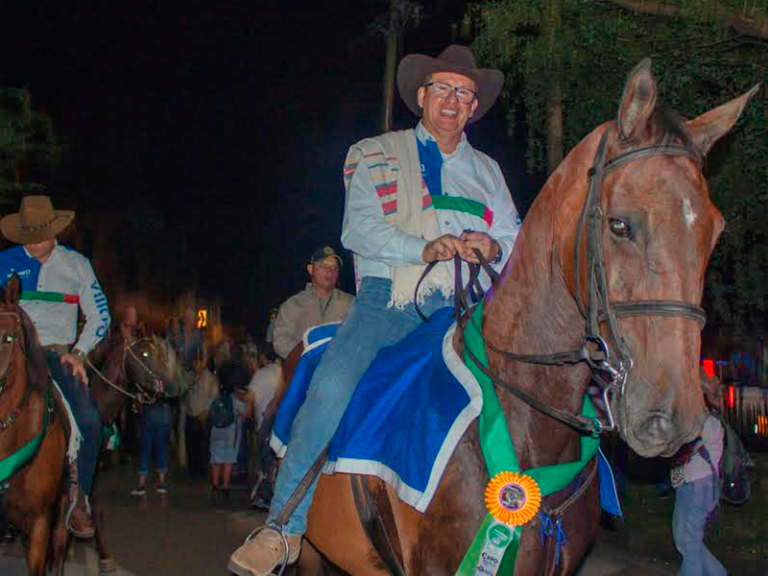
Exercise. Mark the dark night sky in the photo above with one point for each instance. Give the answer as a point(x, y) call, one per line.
point(230, 118)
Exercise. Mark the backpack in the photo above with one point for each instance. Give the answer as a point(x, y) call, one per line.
point(222, 412)
point(735, 476)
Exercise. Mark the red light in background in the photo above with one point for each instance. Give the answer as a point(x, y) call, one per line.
point(731, 396)
point(709, 367)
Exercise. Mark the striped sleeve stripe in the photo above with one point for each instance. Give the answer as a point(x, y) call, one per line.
point(386, 189)
point(50, 296)
point(389, 207)
point(443, 202)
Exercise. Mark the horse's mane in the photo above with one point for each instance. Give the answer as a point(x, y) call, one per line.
point(174, 368)
point(170, 353)
point(200, 396)
point(37, 367)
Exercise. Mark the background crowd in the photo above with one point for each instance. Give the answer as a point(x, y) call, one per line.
point(213, 418)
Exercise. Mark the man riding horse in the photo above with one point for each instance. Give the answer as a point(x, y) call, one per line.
point(54, 281)
point(319, 303)
point(413, 197)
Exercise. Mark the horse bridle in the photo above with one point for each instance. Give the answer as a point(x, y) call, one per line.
point(598, 308)
point(16, 412)
point(143, 396)
point(16, 317)
point(129, 352)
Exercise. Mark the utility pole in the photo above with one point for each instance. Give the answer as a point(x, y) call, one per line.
point(389, 69)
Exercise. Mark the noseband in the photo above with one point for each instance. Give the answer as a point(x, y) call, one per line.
point(610, 363)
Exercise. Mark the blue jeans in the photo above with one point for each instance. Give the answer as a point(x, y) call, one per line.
point(86, 415)
point(155, 431)
point(694, 501)
point(368, 327)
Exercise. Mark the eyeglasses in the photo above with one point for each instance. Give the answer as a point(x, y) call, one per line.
point(442, 91)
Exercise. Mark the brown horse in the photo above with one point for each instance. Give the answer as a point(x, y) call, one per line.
point(31, 495)
point(653, 228)
point(140, 370)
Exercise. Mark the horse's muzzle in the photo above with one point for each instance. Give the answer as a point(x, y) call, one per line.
point(658, 434)
point(656, 430)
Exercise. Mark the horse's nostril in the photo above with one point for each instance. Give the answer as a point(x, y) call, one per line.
point(657, 429)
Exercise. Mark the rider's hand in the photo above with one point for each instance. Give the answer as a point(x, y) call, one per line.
point(442, 248)
point(487, 246)
point(78, 368)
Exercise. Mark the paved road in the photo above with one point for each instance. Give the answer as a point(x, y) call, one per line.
point(182, 534)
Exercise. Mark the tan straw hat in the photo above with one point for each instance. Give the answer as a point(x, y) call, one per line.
point(35, 222)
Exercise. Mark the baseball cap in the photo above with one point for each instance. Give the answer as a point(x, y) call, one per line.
point(323, 253)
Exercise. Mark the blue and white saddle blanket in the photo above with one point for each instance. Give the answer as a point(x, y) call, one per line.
point(408, 413)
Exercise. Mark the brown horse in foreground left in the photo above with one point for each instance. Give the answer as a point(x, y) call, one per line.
point(656, 228)
point(31, 498)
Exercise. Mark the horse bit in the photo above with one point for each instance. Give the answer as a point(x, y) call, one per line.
point(595, 350)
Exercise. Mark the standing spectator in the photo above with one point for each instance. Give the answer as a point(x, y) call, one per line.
point(249, 358)
point(270, 336)
point(262, 389)
point(202, 389)
point(696, 480)
point(154, 423)
point(175, 335)
point(226, 440)
point(191, 338)
point(155, 426)
point(129, 324)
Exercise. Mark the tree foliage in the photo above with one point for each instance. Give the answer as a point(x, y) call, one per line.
point(702, 57)
point(28, 144)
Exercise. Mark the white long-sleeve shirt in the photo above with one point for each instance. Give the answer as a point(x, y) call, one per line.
point(466, 173)
point(52, 292)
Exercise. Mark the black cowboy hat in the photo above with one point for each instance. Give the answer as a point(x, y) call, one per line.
point(415, 68)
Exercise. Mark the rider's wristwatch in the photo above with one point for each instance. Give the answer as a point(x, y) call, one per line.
point(80, 354)
point(499, 255)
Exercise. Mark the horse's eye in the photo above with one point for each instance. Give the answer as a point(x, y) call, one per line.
point(145, 354)
point(8, 338)
point(620, 228)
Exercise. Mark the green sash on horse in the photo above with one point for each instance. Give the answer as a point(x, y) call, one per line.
point(499, 451)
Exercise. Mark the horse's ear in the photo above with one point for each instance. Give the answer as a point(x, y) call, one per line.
point(141, 330)
point(12, 291)
point(637, 102)
point(713, 125)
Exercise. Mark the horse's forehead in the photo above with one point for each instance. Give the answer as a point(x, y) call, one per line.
point(664, 185)
point(9, 318)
